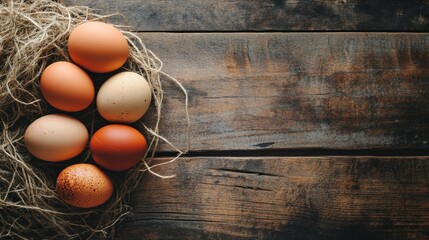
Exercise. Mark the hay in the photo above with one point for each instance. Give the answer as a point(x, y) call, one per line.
point(33, 34)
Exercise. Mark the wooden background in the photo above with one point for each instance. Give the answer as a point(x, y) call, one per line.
point(310, 119)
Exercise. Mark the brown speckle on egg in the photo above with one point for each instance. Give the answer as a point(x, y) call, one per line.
point(124, 97)
point(84, 185)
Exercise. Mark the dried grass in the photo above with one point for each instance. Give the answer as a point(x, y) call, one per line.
point(33, 34)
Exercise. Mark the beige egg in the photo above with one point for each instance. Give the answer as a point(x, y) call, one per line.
point(56, 137)
point(124, 97)
point(84, 185)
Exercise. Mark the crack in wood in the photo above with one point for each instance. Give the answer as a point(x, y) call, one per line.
point(239, 186)
point(253, 188)
point(264, 145)
point(247, 172)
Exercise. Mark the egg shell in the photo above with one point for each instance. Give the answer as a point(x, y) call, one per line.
point(84, 185)
point(98, 47)
point(117, 147)
point(56, 137)
point(124, 97)
point(67, 87)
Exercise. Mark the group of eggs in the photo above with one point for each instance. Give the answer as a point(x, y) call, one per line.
point(122, 99)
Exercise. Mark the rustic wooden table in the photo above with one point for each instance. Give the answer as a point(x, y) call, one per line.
point(310, 119)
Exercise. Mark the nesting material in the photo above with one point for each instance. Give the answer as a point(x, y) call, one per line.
point(33, 34)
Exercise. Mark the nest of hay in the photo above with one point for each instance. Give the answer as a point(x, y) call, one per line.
point(33, 35)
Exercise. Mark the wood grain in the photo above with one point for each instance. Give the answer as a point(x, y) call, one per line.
point(267, 92)
point(251, 91)
point(277, 15)
point(282, 198)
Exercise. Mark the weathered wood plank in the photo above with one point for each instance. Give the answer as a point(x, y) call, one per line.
point(296, 90)
point(278, 15)
point(284, 198)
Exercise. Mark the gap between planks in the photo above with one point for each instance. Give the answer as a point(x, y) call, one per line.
point(314, 152)
point(281, 31)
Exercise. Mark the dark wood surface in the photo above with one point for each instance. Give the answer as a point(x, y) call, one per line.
point(270, 15)
point(284, 198)
point(310, 119)
point(297, 90)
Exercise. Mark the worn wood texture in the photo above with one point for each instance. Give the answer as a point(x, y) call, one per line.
point(284, 198)
point(261, 15)
point(296, 90)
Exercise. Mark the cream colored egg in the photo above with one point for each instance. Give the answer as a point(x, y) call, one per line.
point(124, 97)
point(56, 137)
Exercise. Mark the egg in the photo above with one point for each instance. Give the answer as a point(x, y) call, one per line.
point(67, 87)
point(124, 97)
point(98, 47)
point(84, 185)
point(117, 147)
point(56, 137)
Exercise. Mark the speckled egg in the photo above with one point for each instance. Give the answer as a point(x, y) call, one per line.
point(84, 186)
point(124, 97)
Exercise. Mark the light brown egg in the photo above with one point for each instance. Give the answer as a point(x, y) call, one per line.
point(56, 137)
point(98, 47)
point(84, 185)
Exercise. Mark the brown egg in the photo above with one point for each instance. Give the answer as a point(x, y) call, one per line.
point(98, 47)
point(84, 185)
point(117, 147)
point(67, 87)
